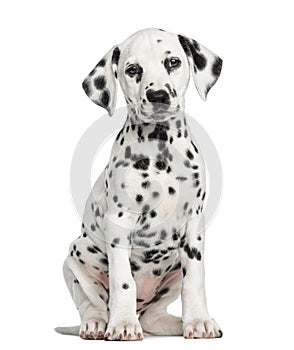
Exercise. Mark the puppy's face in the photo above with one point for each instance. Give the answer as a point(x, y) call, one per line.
point(153, 69)
point(153, 72)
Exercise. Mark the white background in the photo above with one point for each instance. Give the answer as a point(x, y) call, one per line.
point(47, 48)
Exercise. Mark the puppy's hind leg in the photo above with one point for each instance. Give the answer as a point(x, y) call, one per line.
point(157, 321)
point(90, 300)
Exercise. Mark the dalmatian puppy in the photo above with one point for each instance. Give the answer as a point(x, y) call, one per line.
point(142, 236)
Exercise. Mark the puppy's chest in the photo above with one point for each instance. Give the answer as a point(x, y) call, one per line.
point(156, 176)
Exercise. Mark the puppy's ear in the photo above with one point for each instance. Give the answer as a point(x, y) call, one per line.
point(100, 84)
point(204, 64)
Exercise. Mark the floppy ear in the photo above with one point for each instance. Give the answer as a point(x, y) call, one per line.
point(204, 64)
point(100, 84)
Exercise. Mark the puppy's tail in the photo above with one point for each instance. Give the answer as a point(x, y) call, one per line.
point(68, 330)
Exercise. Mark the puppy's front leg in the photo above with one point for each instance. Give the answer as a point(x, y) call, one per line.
point(196, 320)
point(123, 322)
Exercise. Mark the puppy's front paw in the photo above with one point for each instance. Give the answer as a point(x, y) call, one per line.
point(92, 329)
point(202, 328)
point(124, 330)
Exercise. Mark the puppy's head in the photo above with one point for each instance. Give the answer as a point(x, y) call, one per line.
point(153, 69)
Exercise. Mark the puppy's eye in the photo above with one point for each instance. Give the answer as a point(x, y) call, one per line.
point(133, 69)
point(174, 62)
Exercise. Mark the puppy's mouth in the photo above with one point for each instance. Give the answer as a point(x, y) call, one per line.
point(160, 113)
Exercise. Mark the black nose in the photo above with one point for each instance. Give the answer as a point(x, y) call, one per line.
point(159, 96)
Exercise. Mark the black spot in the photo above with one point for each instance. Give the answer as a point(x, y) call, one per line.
point(155, 194)
point(153, 213)
point(125, 286)
point(163, 234)
point(82, 261)
point(160, 165)
point(96, 248)
point(146, 227)
point(145, 175)
point(99, 82)
point(192, 50)
point(146, 208)
point(181, 178)
point(192, 252)
point(168, 169)
point(78, 253)
point(184, 271)
point(74, 247)
point(217, 67)
point(128, 152)
point(156, 272)
point(199, 60)
point(105, 98)
point(158, 133)
point(142, 164)
point(115, 55)
point(71, 253)
point(139, 75)
point(176, 266)
point(171, 190)
point(93, 228)
point(84, 235)
point(189, 154)
point(91, 250)
point(185, 44)
point(186, 205)
point(101, 63)
point(139, 198)
point(203, 196)
point(114, 242)
point(159, 40)
point(195, 148)
point(142, 243)
point(187, 163)
point(119, 163)
point(146, 184)
point(87, 87)
point(171, 139)
point(104, 261)
point(120, 214)
point(115, 199)
point(122, 141)
point(134, 266)
point(196, 183)
point(198, 193)
point(160, 294)
point(140, 133)
point(178, 123)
